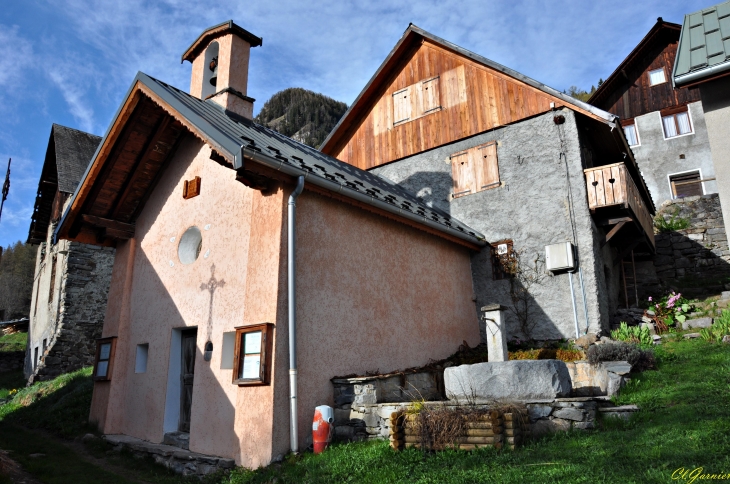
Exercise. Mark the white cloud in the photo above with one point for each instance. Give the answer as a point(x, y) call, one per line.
point(69, 79)
point(16, 55)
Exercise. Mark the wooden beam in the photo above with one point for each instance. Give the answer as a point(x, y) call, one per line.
point(129, 183)
point(106, 223)
point(613, 221)
point(611, 233)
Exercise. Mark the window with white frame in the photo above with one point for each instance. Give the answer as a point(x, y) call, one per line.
point(676, 123)
point(686, 184)
point(657, 77)
point(632, 136)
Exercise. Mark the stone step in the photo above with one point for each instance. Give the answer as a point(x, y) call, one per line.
point(178, 460)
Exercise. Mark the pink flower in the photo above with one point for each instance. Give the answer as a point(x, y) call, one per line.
point(650, 299)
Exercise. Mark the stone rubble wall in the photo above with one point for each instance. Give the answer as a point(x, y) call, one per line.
point(84, 289)
point(363, 405)
point(11, 361)
point(695, 260)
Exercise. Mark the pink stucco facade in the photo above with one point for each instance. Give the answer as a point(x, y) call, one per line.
point(372, 294)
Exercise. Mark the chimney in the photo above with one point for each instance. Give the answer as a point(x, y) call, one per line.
point(220, 67)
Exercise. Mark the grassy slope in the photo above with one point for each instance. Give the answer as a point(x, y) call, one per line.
point(13, 342)
point(684, 422)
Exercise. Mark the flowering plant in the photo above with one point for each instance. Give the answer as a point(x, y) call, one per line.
point(670, 310)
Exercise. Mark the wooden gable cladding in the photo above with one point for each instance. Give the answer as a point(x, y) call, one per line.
point(472, 98)
point(628, 92)
point(124, 180)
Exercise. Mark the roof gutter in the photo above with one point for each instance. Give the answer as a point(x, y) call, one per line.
point(279, 165)
point(706, 72)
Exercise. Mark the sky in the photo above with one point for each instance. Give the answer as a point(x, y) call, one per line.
point(72, 62)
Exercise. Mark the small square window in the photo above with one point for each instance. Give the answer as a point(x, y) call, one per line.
point(631, 135)
point(657, 77)
point(251, 364)
point(140, 363)
point(104, 358)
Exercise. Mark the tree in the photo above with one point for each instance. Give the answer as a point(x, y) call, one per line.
point(17, 268)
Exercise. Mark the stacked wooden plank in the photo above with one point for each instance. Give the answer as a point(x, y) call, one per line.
point(493, 429)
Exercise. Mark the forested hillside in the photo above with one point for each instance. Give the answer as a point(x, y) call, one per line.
point(16, 280)
point(303, 115)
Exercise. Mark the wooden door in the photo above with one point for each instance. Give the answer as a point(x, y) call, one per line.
point(187, 371)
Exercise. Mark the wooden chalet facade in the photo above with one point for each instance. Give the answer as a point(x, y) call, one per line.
point(444, 122)
point(664, 126)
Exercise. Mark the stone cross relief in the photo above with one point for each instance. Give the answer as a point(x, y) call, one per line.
point(211, 286)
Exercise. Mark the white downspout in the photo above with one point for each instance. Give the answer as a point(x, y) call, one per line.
point(292, 301)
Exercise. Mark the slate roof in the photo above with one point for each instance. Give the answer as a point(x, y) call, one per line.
point(704, 46)
point(68, 154)
point(239, 139)
point(74, 150)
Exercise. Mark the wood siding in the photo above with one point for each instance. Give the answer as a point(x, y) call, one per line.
point(473, 98)
point(633, 95)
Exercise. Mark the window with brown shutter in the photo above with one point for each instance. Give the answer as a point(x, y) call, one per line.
point(401, 106)
point(429, 96)
point(191, 188)
point(485, 166)
point(686, 184)
point(475, 169)
point(462, 173)
point(416, 100)
point(252, 360)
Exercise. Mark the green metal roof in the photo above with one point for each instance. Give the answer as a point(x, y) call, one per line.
point(704, 45)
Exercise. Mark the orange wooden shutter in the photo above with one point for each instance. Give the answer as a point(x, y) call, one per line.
point(429, 96)
point(462, 171)
point(401, 106)
point(486, 166)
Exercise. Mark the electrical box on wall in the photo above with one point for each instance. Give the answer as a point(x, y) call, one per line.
point(560, 257)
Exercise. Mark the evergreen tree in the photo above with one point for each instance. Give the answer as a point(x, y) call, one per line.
point(17, 268)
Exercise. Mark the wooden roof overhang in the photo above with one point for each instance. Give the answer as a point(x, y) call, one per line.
point(399, 56)
point(619, 76)
point(47, 188)
point(125, 169)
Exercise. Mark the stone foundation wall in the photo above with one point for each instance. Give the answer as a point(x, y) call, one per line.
point(694, 261)
point(84, 289)
point(363, 405)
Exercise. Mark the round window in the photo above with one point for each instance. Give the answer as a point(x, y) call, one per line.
point(190, 244)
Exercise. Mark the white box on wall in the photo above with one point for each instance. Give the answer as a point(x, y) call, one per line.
point(560, 257)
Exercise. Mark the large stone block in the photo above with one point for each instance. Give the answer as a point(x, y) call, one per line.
point(697, 323)
point(519, 380)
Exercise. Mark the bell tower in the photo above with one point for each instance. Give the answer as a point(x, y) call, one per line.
point(220, 58)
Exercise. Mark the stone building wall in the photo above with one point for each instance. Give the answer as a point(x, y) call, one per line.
point(85, 279)
point(531, 208)
point(694, 261)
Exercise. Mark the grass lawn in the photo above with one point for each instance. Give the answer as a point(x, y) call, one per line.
point(684, 423)
point(13, 342)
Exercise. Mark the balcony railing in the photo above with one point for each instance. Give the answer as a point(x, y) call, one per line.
point(612, 185)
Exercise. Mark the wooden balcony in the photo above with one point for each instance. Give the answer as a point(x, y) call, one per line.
point(613, 193)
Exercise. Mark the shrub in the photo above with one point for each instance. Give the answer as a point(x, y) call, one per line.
point(639, 359)
point(720, 328)
point(547, 354)
point(671, 224)
point(632, 334)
